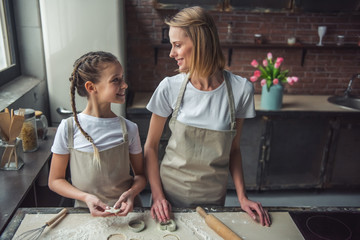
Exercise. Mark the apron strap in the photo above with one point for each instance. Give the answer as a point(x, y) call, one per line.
point(124, 129)
point(70, 122)
point(179, 98)
point(231, 101)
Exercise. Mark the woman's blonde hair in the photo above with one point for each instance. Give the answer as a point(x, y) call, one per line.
point(207, 57)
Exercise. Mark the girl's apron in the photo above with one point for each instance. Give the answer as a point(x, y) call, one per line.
point(194, 170)
point(108, 181)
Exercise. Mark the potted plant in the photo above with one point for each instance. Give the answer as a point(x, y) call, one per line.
point(272, 79)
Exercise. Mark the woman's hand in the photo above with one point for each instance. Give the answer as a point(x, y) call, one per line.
point(125, 203)
point(250, 207)
point(96, 207)
point(160, 210)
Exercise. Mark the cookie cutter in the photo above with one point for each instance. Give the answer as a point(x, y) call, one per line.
point(169, 225)
point(136, 225)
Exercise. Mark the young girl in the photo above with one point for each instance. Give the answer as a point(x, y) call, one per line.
point(99, 145)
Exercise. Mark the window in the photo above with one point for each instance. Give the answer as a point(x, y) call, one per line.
point(9, 60)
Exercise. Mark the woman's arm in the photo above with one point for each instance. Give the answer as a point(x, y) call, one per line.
point(126, 200)
point(236, 171)
point(161, 208)
point(60, 185)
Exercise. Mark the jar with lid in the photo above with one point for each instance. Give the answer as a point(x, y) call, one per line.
point(41, 125)
point(28, 132)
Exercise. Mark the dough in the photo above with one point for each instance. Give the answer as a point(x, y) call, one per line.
point(113, 210)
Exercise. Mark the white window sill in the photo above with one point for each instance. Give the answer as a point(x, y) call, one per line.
point(14, 90)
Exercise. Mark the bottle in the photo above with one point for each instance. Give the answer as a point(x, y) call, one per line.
point(229, 37)
point(28, 132)
point(41, 125)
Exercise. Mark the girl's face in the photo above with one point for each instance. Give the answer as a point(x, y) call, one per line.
point(181, 48)
point(111, 86)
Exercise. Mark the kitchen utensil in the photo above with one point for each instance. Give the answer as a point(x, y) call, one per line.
point(5, 122)
point(215, 224)
point(16, 122)
point(35, 233)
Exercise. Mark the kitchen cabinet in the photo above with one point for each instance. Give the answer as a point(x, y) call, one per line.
point(344, 165)
point(308, 144)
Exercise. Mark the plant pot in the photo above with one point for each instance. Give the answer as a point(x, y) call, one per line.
point(272, 99)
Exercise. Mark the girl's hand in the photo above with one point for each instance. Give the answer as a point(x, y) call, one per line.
point(160, 210)
point(125, 203)
point(250, 207)
point(96, 207)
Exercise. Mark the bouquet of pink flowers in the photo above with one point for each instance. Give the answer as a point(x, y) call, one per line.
point(270, 73)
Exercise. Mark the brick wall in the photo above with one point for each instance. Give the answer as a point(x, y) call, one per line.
point(326, 71)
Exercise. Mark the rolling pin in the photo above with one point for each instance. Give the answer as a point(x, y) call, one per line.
point(215, 224)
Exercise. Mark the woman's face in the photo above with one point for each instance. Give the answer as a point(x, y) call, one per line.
point(181, 48)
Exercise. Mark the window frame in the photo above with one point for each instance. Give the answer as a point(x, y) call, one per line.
point(14, 70)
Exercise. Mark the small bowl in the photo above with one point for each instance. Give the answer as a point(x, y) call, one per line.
point(136, 225)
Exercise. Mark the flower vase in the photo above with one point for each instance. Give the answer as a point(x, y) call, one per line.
point(272, 99)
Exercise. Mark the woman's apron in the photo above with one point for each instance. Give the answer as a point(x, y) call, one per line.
point(194, 170)
point(108, 181)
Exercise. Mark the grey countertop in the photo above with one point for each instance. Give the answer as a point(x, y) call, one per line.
point(315, 104)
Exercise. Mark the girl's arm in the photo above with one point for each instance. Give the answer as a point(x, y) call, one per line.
point(60, 185)
point(236, 171)
point(161, 208)
point(126, 200)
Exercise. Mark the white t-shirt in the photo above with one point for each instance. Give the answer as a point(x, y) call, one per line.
point(106, 132)
point(203, 109)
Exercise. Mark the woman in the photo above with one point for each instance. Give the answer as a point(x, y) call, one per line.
point(208, 106)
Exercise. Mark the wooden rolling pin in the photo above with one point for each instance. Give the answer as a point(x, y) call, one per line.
point(215, 224)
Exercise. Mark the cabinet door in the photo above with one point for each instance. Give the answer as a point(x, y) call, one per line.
point(250, 146)
point(295, 152)
point(344, 164)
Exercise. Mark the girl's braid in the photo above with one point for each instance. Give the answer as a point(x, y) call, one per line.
point(87, 68)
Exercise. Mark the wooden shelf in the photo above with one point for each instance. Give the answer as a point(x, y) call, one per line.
point(231, 46)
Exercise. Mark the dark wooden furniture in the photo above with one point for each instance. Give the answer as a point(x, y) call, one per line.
point(15, 185)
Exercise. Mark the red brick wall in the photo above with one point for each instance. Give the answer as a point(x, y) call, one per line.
point(326, 71)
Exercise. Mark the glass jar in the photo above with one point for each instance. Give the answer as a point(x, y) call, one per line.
point(258, 39)
point(41, 125)
point(11, 155)
point(28, 132)
point(340, 40)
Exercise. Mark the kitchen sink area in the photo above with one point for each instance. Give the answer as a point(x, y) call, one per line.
point(347, 100)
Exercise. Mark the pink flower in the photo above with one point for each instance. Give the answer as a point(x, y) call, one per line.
point(265, 63)
point(276, 81)
point(290, 80)
point(295, 79)
point(279, 59)
point(253, 78)
point(277, 65)
point(254, 63)
point(269, 56)
point(257, 73)
point(263, 82)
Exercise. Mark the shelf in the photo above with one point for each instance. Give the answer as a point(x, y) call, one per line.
point(231, 46)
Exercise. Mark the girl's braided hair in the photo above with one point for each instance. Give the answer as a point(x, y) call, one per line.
point(87, 68)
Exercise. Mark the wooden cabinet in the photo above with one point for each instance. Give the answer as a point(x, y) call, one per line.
point(291, 150)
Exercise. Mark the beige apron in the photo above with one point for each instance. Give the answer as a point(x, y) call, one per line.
point(195, 167)
point(110, 180)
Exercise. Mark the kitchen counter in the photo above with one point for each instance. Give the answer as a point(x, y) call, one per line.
point(291, 103)
point(16, 184)
point(287, 223)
